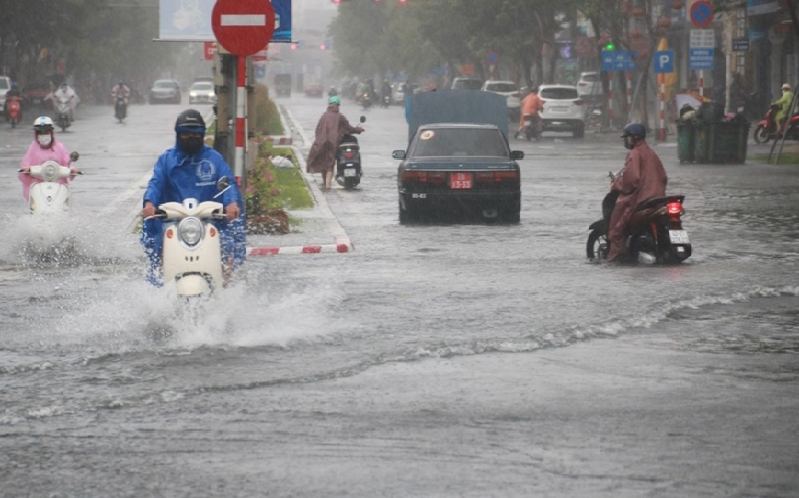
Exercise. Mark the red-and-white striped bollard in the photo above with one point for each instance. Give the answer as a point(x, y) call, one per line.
point(629, 89)
point(702, 83)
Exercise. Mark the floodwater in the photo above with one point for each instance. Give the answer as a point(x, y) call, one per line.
point(433, 360)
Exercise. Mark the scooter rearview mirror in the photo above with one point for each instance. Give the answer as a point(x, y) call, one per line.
point(74, 156)
point(223, 183)
point(363, 119)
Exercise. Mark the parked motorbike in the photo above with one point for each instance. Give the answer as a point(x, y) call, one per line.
point(120, 109)
point(13, 110)
point(49, 196)
point(767, 127)
point(654, 234)
point(62, 118)
point(192, 252)
point(348, 161)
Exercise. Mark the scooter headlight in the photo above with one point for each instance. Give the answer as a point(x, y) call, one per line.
point(50, 172)
point(190, 231)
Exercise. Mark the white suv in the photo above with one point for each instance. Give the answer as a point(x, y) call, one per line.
point(564, 110)
point(5, 86)
point(507, 89)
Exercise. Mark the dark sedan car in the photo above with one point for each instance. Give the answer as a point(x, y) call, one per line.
point(455, 170)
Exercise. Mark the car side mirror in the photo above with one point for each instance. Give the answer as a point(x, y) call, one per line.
point(74, 156)
point(363, 119)
point(516, 154)
point(398, 154)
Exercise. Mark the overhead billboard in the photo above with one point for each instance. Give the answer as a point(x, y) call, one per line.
point(190, 20)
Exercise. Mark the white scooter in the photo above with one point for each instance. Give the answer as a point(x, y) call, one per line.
point(49, 196)
point(62, 112)
point(192, 252)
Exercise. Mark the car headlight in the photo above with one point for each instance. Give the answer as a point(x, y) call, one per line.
point(50, 172)
point(190, 231)
point(192, 94)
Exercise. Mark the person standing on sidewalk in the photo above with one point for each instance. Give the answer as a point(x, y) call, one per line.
point(331, 127)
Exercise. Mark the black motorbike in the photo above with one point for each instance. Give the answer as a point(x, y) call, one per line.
point(654, 233)
point(120, 109)
point(348, 161)
point(365, 99)
point(531, 131)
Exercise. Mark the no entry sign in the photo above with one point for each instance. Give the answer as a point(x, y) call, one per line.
point(243, 27)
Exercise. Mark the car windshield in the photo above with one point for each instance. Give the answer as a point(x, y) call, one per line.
point(202, 86)
point(163, 84)
point(459, 142)
point(558, 93)
point(468, 85)
point(501, 87)
point(4, 84)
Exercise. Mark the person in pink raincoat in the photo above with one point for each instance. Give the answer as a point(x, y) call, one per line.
point(44, 147)
point(331, 127)
point(642, 178)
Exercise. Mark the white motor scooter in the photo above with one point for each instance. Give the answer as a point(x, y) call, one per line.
point(62, 112)
point(49, 196)
point(192, 252)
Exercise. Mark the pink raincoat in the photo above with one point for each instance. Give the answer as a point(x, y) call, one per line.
point(642, 178)
point(331, 127)
point(37, 155)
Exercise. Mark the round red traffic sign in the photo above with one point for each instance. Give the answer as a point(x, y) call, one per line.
point(243, 27)
point(701, 13)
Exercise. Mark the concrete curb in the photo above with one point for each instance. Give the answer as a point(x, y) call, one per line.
point(342, 242)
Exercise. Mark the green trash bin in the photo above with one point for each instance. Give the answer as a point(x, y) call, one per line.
point(721, 142)
point(685, 141)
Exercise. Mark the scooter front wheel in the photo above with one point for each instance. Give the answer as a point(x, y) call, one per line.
point(761, 135)
point(597, 246)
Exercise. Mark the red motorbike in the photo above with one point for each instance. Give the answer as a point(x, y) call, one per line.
point(767, 128)
point(13, 110)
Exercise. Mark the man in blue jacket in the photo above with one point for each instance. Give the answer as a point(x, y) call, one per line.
point(191, 169)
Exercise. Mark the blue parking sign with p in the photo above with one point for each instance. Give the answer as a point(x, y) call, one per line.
point(664, 61)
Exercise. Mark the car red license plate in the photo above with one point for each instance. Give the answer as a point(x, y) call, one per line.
point(460, 180)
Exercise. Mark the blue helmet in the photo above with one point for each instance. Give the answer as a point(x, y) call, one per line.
point(635, 130)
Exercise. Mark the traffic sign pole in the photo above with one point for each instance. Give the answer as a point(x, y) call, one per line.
point(241, 120)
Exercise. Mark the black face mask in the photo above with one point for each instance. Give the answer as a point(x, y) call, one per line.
point(191, 145)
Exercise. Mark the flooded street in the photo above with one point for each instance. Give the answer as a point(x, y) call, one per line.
point(433, 360)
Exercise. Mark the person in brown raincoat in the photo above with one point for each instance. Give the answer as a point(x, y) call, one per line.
point(642, 178)
point(331, 127)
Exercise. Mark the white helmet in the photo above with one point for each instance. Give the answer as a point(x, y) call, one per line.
point(786, 86)
point(43, 123)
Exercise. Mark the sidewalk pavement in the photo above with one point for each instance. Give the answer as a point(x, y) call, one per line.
point(319, 231)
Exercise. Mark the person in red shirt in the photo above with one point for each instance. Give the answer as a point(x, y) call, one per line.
point(531, 106)
point(642, 178)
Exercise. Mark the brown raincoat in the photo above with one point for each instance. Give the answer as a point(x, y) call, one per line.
point(642, 178)
point(331, 127)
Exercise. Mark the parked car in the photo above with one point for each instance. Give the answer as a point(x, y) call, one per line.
point(165, 91)
point(456, 170)
point(589, 86)
point(34, 94)
point(5, 86)
point(564, 110)
point(466, 83)
point(202, 92)
point(510, 90)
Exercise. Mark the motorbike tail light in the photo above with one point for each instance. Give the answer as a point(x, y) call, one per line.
point(674, 208)
point(349, 154)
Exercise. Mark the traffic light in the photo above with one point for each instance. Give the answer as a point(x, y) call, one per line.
point(610, 46)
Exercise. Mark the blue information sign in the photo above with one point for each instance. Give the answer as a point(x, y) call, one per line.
point(663, 61)
point(700, 59)
point(617, 60)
